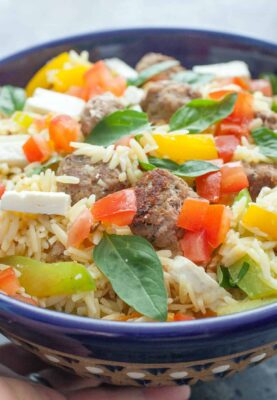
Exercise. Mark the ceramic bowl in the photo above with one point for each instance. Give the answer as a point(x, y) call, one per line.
point(130, 353)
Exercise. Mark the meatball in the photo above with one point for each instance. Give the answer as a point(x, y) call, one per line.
point(160, 196)
point(269, 119)
point(97, 108)
point(163, 98)
point(97, 179)
point(150, 59)
point(259, 176)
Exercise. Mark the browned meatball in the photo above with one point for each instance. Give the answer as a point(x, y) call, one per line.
point(96, 179)
point(150, 59)
point(259, 176)
point(96, 109)
point(163, 98)
point(160, 196)
point(269, 119)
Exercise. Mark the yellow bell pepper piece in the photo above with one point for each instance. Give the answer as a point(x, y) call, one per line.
point(40, 78)
point(184, 147)
point(64, 78)
point(264, 220)
point(23, 119)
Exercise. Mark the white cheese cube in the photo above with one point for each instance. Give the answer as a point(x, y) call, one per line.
point(229, 69)
point(121, 68)
point(57, 203)
point(46, 101)
point(11, 151)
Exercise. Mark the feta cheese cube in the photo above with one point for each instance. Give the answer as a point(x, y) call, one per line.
point(11, 151)
point(229, 69)
point(121, 68)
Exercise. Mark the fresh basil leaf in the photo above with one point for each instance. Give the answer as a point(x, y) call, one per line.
point(192, 78)
point(194, 168)
point(189, 169)
point(199, 114)
point(266, 140)
point(135, 272)
point(43, 167)
point(243, 271)
point(116, 125)
point(223, 277)
point(272, 78)
point(11, 99)
point(155, 69)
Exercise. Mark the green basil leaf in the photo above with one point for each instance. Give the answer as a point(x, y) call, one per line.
point(192, 78)
point(243, 271)
point(194, 168)
point(223, 277)
point(272, 78)
point(199, 114)
point(135, 272)
point(11, 99)
point(116, 125)
point(189, 169)
point(43, 167)
point(155, 69)
point(266, 140)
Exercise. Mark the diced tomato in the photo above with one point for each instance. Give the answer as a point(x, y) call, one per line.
point(77, 91)
point(63, 130)
point(261, 85)
point(183, 317)
point(9, 283)
point(243, 110)
point(2, 189)
point(27, 300)
point(193, 213)
point(42, 122)
point(208, 186)
point(227, 128)
point(36, 148)
point(234, 178)
point(242, 82)
point(118, 208)
point(100, 79)
point(226, 146)
point(217, 224)
point(80, 229)
point(195, 246)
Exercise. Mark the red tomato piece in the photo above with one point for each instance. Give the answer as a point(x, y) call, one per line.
point(193, 213)
point(261, 85)
point(77, 91)
point(2, 189)
point(242, 82)
point(217, 224)
point(9, 282)
point(63, 130)
point(226, 146)
point(195, 246)
point(227, 128)
point(80, 229)
point(36, 148)
point(118, 208)
point(234, 178)
point(208, 186)
point(183, 317)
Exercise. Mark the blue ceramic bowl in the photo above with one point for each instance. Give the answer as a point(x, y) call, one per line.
point(144, 354)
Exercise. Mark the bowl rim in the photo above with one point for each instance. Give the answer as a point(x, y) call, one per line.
point(215, 325)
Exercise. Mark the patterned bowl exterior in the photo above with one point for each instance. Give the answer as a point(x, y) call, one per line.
point(144, 354)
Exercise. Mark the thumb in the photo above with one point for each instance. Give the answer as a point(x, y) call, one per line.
point(16, 389)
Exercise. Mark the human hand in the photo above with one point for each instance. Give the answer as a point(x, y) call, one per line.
point(17, 365)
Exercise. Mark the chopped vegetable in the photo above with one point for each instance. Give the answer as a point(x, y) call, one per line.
point(192, 78)
point(36, 148)
point(195, 247)
point(264, 220)
point(261, 85)
point(243, 194)
point(233, 178)
point(226, 146)
point(272, 79)
point(63, 130)
point(12, 99)
point(9, 282)
point(23, 119)
point(217, 224)
point(238, 130)
point(183, 147)
point(183, 317)
point(118, 208)
point(208, 186)
point(80, 229)
point(2, 189)
point(117, 125)
point(43, 167)
point(152, 71)
point(44, 279)
point(193, 214)
point(63, 79)
point(245, 305)
point(200, 114)
point(266, 139)
point(133, 258)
